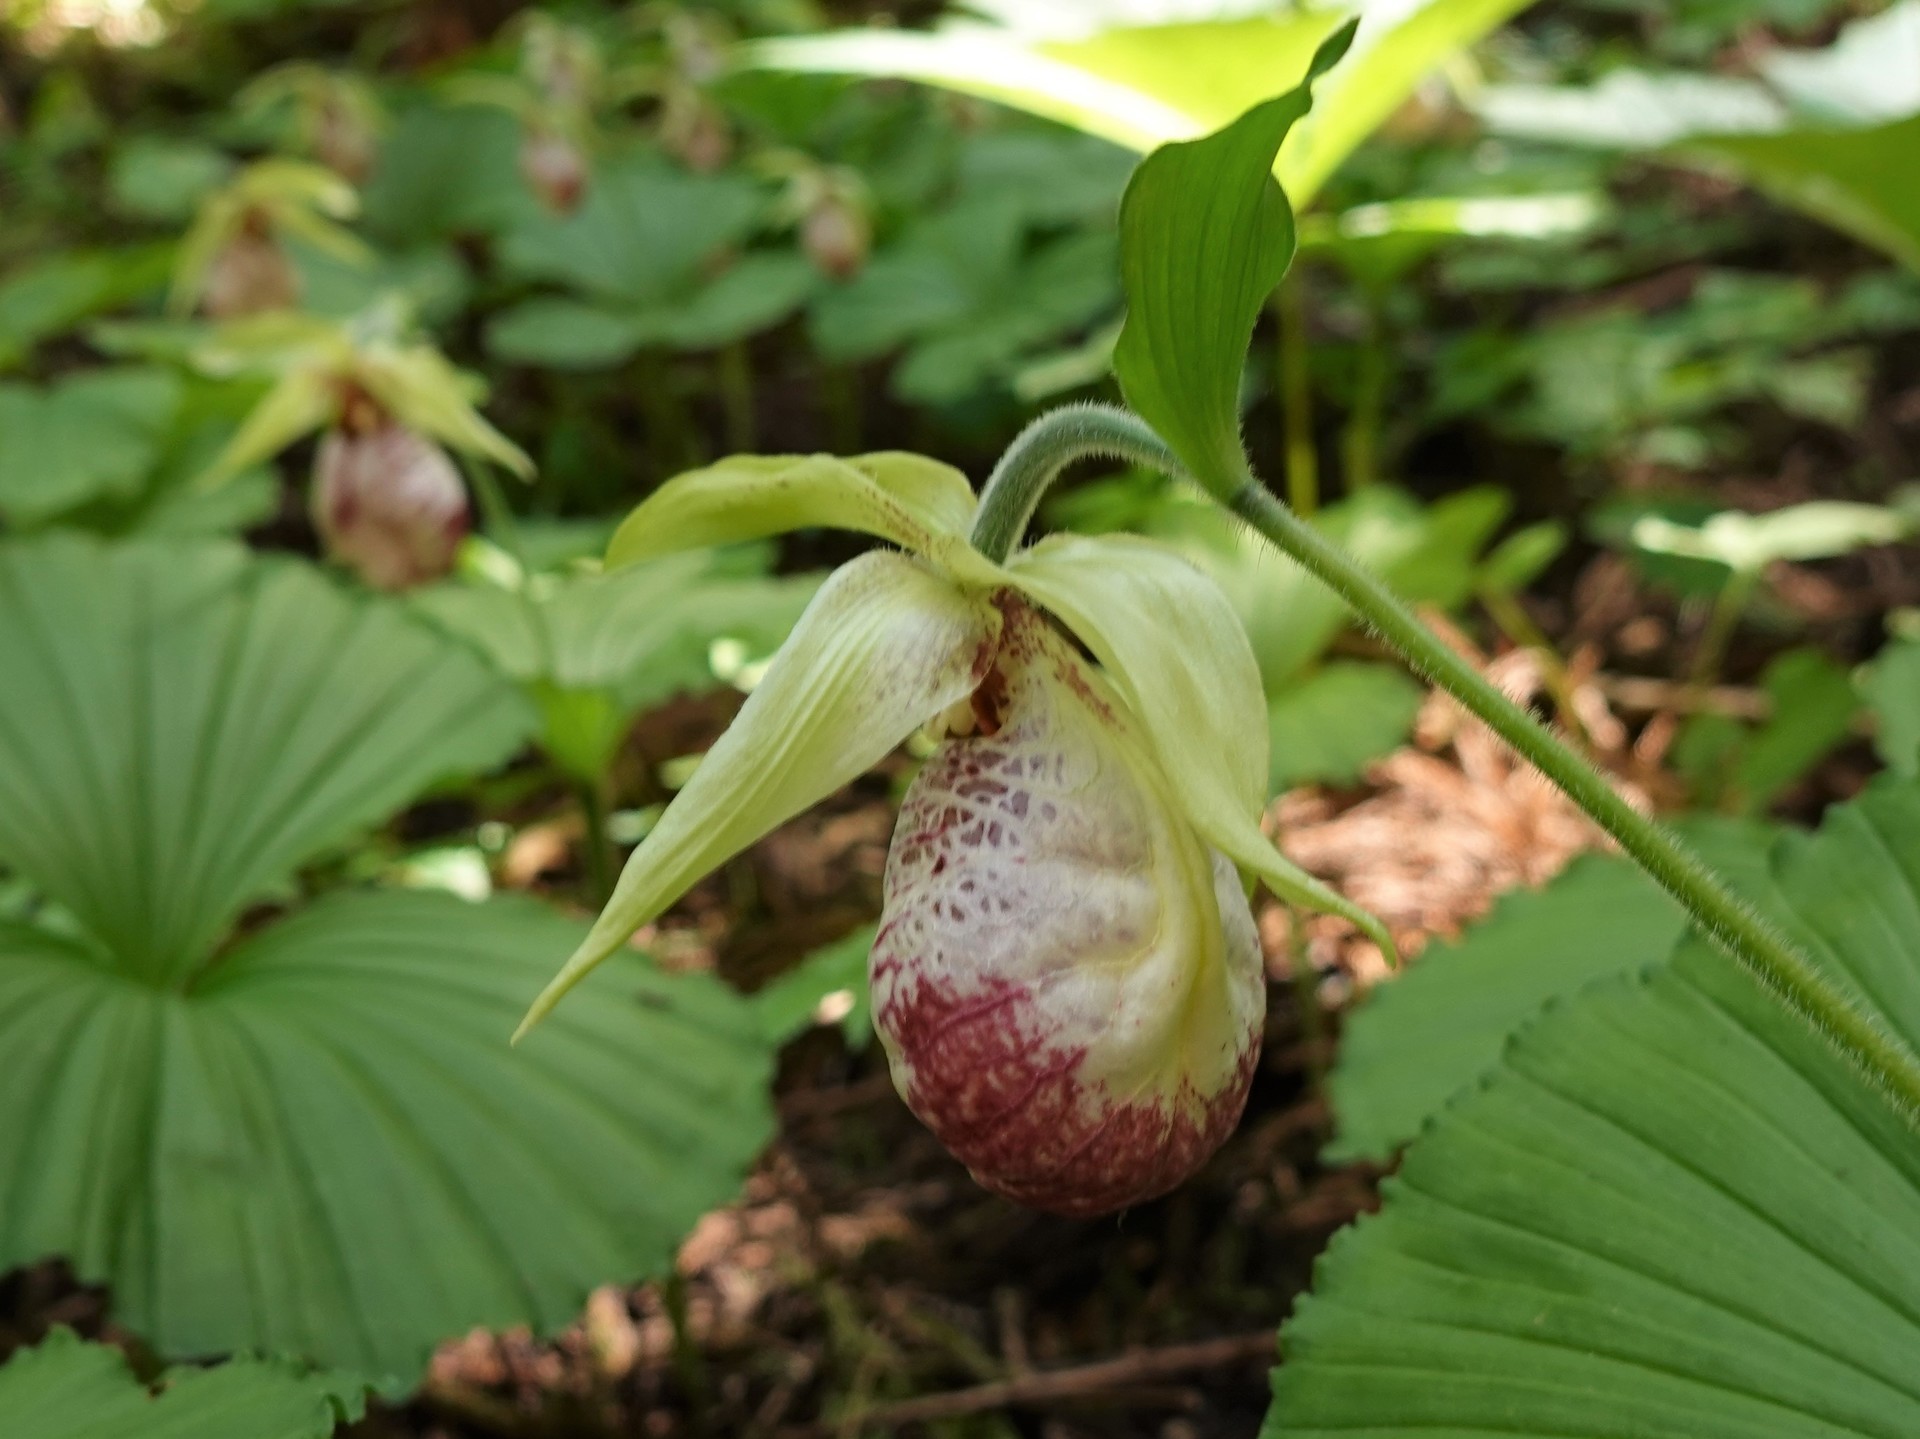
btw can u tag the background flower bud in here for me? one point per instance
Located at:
(344, 142)
(837, 235)
(554, 170)
(695, 131)
(250, 276)
(388, 503)
(1067, 980)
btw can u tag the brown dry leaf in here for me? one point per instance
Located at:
(540, 849)
(1453, 820)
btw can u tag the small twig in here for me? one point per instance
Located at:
(1010, 1310)
(1104, 1377)
(1645, 695)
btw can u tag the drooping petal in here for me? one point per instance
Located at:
(1066, 978)
(303, 401)
(885, 646)
(389, 504)
(1172, 644)
(919, 504)
(418, 387)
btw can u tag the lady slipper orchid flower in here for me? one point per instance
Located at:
(1066, 977)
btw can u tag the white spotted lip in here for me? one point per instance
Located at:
(1067, 979)
(388, 503)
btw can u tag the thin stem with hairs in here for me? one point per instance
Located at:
(1056, 440)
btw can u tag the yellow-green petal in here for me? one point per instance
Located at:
(885, 646)
(303, 401)
(919, 504)
(1173, 646)
(418, 387)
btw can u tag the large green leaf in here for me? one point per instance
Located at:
(643, 234)
(1891, 687)
(48, 296)
(447, 171)
(180, 727)
(1330, 724)
(593, 649)
(1426, 1034)
(1830, 132)
(92, 436)
(1672, 1210)
(1858, 181)
(313, 1139)
(327, 1149)
(1205, 235)
(64, 1388)
(1144, 84)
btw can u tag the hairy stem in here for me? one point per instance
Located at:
(1731, 923)
(1046, 447)
(1056, 440)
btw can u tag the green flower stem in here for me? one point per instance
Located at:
(1055, 440)
(1040, 452)
(1728, 606)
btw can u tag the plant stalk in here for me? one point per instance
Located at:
(1361, 442)
(1729, 921)
(1722, 620)
(1055, 440)
(1045, 448)
(593, 815)
(1296, 397)
(736, 396)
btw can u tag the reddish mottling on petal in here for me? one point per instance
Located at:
(1060, 1007)
(1013, 1108)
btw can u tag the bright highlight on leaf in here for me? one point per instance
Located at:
(1144, 75)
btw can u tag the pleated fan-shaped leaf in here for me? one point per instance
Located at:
(306, 1134)
(1672, 1210)
(1439, 1026)
(327, 1149)
(181, 726)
